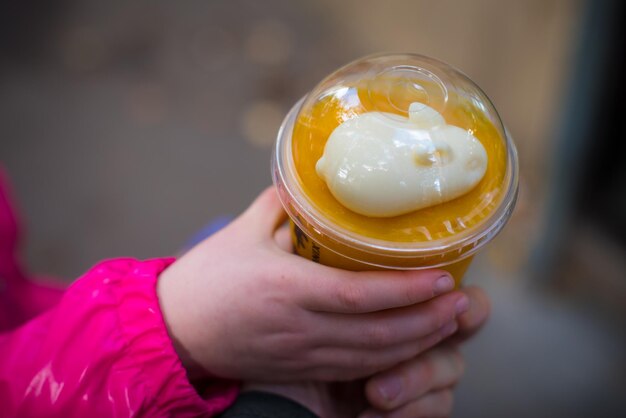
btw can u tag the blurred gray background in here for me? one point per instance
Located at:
(127, 126)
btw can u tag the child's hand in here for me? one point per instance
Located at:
(239, 306)
(419, 387)
(427, 392)
(423, 386)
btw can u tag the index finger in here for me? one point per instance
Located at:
(263, 216)
(326, 289)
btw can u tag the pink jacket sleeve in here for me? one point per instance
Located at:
(102, 351)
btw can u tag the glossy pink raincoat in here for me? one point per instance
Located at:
(98, 349)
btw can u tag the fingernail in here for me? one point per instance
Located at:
(390, 388)
(462, 305)
(443, 284)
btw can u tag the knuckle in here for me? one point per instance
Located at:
(351, 297)
(415, 292)
(290, 324)
(284, 321)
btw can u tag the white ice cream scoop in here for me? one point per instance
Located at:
(381, 164)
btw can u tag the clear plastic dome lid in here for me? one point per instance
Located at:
(401, 148)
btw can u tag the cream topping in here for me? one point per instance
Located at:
(382, 165)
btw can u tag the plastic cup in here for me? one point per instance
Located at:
(390, 83)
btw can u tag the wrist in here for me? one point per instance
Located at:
(171, 299)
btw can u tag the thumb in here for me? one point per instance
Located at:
(264, 215)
